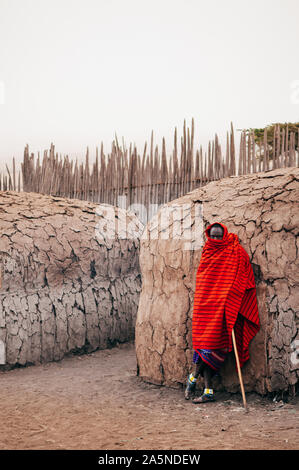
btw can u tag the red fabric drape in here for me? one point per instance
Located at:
(225, 297)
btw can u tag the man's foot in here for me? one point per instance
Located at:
(190, 389)
(205, 397)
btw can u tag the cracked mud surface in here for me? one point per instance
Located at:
(96, 401)
(262, 209)
(68, 280)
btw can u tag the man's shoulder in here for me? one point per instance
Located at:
(244, 252)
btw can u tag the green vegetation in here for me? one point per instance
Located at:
(259, 135)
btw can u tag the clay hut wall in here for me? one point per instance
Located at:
(70, 276)
(262, 209)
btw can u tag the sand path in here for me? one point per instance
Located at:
(95, 401)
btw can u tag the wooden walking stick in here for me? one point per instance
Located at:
(239, 370)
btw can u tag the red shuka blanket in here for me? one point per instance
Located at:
(225, 297)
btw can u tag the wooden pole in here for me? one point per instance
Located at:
(239, 369)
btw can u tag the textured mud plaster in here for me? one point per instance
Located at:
(262, 209)
(68, 281)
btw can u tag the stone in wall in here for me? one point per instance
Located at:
(70, 276)
(262, 209)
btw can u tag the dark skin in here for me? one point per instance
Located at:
(216, 232)
(201, 368)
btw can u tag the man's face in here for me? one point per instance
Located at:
(216, 233)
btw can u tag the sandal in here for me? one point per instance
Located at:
(205, 397)
(190, 390)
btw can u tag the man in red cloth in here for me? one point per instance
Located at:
(225, 298)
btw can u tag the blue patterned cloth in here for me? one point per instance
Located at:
(213, 357)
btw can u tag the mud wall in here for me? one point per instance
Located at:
(262, 209)
(70, 276)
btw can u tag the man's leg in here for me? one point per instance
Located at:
(199, 368)
(191, 381)
(207, 373)
(208, 394)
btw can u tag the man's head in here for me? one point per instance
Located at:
(216, 232)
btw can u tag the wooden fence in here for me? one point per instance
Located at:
(150, 179)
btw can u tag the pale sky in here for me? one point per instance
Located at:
(75, 72)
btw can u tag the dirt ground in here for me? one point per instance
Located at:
(95, 401)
